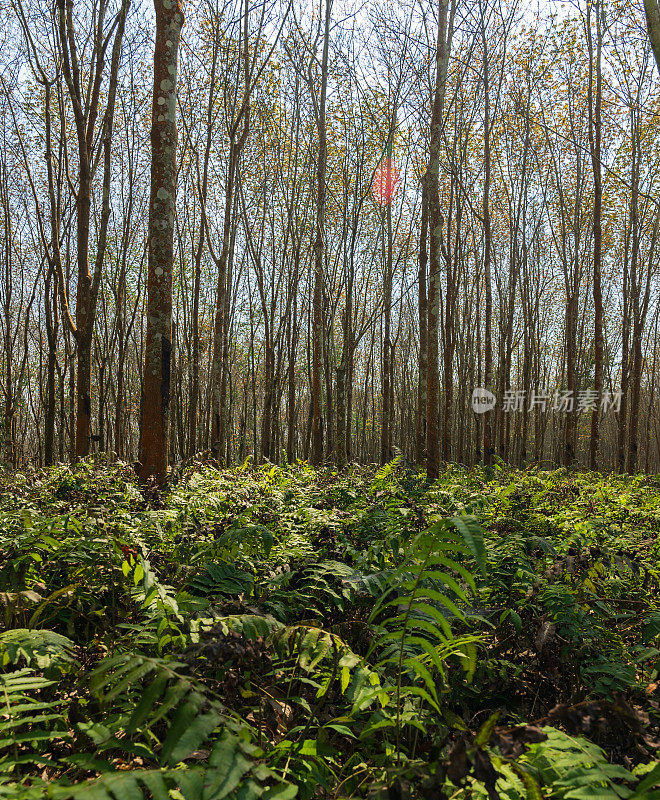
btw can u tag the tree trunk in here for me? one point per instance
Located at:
(319, 246)
(595, 120)
(436, 227)
(385, 432)
(422, 278)
(488, 311)
(158, 347)
(652, 9)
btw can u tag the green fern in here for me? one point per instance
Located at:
(46, 649)
(29, 723)
(168, 716)
(230, 772)
(312, 650)
(576, 768)
(415, 643)
(249, 625)
(382, 477)
(222, 579)
(162, 708)
(567, 767)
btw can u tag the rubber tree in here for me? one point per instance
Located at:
(595, 95)
(436, 225)
(422, 305)
(319, 247)
(238, 123)
(652, 10)
(158, 346)
(85, 96)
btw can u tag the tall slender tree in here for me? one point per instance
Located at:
(154, 446)
(595, 100)
(319, 244)
(85, 97)
(436, 226)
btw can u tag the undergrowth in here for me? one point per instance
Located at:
(279, 632)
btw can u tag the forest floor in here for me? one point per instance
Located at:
(282, 632)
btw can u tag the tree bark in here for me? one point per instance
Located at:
(158, 348)
(436, 224)
(319, 249)
(595, 126)
(652, 10)
(422, 304)
(488, 310)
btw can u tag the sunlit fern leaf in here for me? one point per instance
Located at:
(20, 791)
(382, 476)
(308, 644)
(323, 654)
(282, 792)
(152, 692)
(649, 780)
(470, 529)
(577, 766)
(27, 723)
(190, 729)
(251, 626)
(228, 766)
(532, 789)
(230, 772)
(44, 648)
(222, 579)
(486, 730)
(413, 644)
(374, 584)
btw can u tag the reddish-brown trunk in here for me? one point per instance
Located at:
(158, 347)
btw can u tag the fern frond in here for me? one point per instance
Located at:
(222, 579)
(231, 771)
(28, 722)
(170, 700)
(414, 643)
(251, 626)
(382, 475)
(42, 647)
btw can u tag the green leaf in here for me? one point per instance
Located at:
(650, 781)
(145, 707)
(91, 791)
(532, 789)
(282, 792)
(470, 530)
(155, 784)
(227, 765)
(124, 786)
(340, 729)
(185, 717)
(486, 731)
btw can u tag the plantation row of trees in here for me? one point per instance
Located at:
(249, 292)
